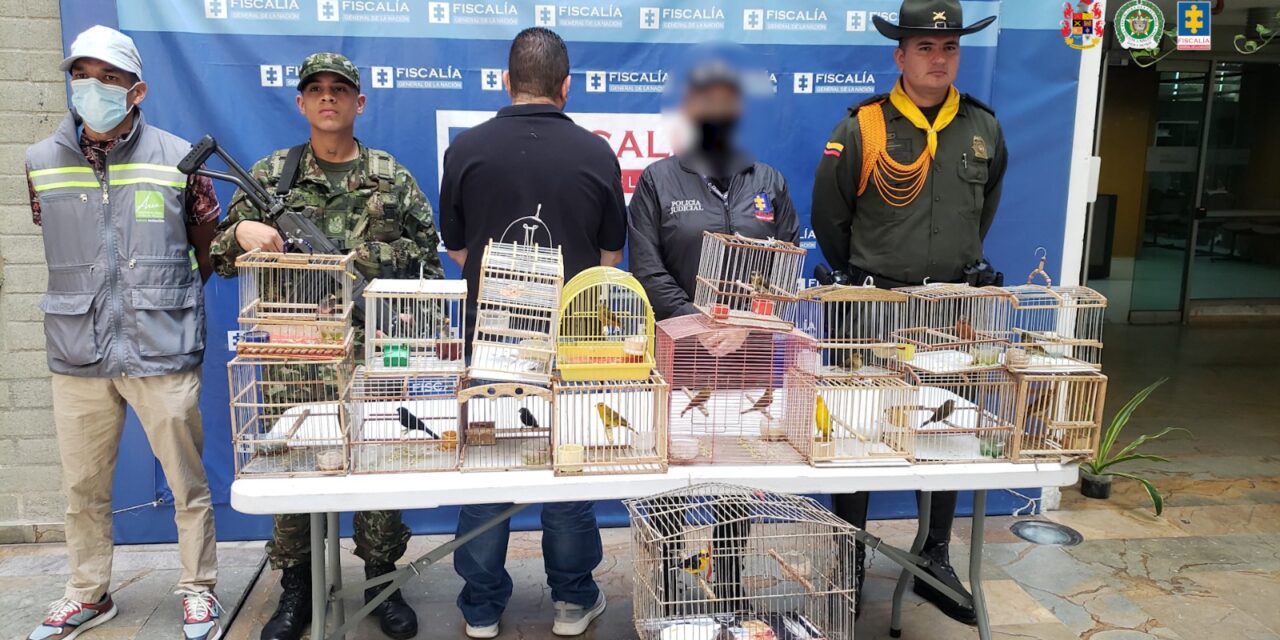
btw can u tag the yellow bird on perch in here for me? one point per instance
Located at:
(612, 420)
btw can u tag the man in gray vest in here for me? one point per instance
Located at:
(126, 236)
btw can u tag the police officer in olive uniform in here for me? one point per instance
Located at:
(905, 192)
(368, 203)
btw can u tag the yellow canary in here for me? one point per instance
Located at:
(762, 404)
(608, 320)
(698, 401)
(822, 419)
(697, 563)
(612, 420)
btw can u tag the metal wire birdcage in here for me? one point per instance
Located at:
(716, 561)
(407, 422)
(517, 313)
(505, 426)
(1059, 415)
(610, 427)
(859, 419)
(966, 416)
(743, 396)
(954, 327)
(290, 417)
(295, 304)
(415, 325)
(855, 328)
(1055, 328)
(747, 281)
(606, 327)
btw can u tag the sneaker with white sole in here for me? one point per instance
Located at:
(67, 618)
(487, 631)
(573, 619)
(202, 615)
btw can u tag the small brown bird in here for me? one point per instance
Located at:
(965, 331)
(762, 404)
(940, 414)
(328, 306)
(612, 420)
(608, 319)
(758, 285)
(699, 402)
(1040, 403)
(853, 361)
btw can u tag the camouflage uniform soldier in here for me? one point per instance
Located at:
(368, 203)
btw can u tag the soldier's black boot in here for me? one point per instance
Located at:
(395, 616)
(859, 576)
(939, 566)
(293, 614)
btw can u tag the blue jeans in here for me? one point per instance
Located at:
(571, 549)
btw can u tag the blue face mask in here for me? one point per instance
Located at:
(100, 106)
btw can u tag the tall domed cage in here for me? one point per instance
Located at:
(610, 427)
(415, 325)
(517, 313)
(295, 304)
(722, 561)
(855, 328)
(738, 395)
(747, 281)
(505, 426)
(291, 417)
(1055, 328)
(606, 327)
(1059, 415)
(967, 416)
(860, 419)
(954, 327)
(408, 423)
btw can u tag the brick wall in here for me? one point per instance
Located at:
(32, 101)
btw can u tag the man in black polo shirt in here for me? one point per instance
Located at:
(527, 156)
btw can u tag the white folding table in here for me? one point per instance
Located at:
(325, 497)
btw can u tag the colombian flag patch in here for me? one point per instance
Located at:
(833, 149)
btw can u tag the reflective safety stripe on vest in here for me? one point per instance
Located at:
(63, 178)
(143, 173)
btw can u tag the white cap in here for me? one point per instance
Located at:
(108, 45)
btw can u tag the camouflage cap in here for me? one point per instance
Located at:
(331, 62)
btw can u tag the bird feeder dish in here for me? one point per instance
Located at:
(404, 422)
(505, 426)
(414, 325)
(858, 419)
(962, 417)
(855, 328)
(606, 328)
(301, 302)
(517, 308)
(1059, 415)
(620, 426)
(748, 282)
(956, 327)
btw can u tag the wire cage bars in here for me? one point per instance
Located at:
(1059, 415)
(961, 417)
(290, 417)
(505, 426)
(295, 304)
(610, 427)
(720, 561)
(517, 305)
(854, 327)
(858, 419)
(748, 281)
(738, 396)
(415, 325)
(1056, 328)
(606, 327)
(407, 422)
(954, 327)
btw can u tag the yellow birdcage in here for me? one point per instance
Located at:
(295, 305)
(854, 327)
(606, 327)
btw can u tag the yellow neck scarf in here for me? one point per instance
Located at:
(950, 107)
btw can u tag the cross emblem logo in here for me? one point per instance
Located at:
(327, 11)
(803, 83)
(271, 75)
(753, 20)
(544, 15)
(596, 82)
(215, 9)
(855, 21)
(491, 80)
(1195, 19)
(649, 18)
(438, 12)
(383, 77)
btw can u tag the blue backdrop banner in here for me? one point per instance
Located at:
(432, 69)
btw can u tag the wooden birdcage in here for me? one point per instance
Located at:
(747, 281)
(1059, 415)
(610, 427)
(290, 417)
(856, 419)
(738, 395)
(295, 304)
(606, 327)
(1055, 328)
(407, 422)
(855, 328)
(954, 327)
(517, 313)
(966, 416)
(505, 426)
(415, 325)
(716, 561)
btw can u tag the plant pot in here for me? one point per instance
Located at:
(1092, 486)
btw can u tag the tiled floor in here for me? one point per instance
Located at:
(1208, 569)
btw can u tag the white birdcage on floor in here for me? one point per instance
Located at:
(716, 561)
(738, 395)
(505, 426)
(610, 427)
(1059, 415)
(415, 325)
(295, 304)
(858, 419)
(954, 327)
(748, 281)
(965, 416)
(290, 417)
(1055, 328)
(517, 313)
(606, 327)
(855, 328)
(407, 422)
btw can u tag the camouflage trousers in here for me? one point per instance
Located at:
(380, 537)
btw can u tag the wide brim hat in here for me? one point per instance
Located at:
(929, 17)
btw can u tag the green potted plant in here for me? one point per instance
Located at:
(1097, 473)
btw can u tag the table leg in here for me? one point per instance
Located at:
(924, 506)
(333, 551)
(319, 581)
(975, 563)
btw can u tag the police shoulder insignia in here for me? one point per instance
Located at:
(762, 206)
(979, 148)
(833, 149)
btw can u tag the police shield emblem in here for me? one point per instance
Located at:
(762, 206)
(979, 148)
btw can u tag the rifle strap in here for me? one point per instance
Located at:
(289, 175)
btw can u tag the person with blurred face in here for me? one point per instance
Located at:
(905, 192)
